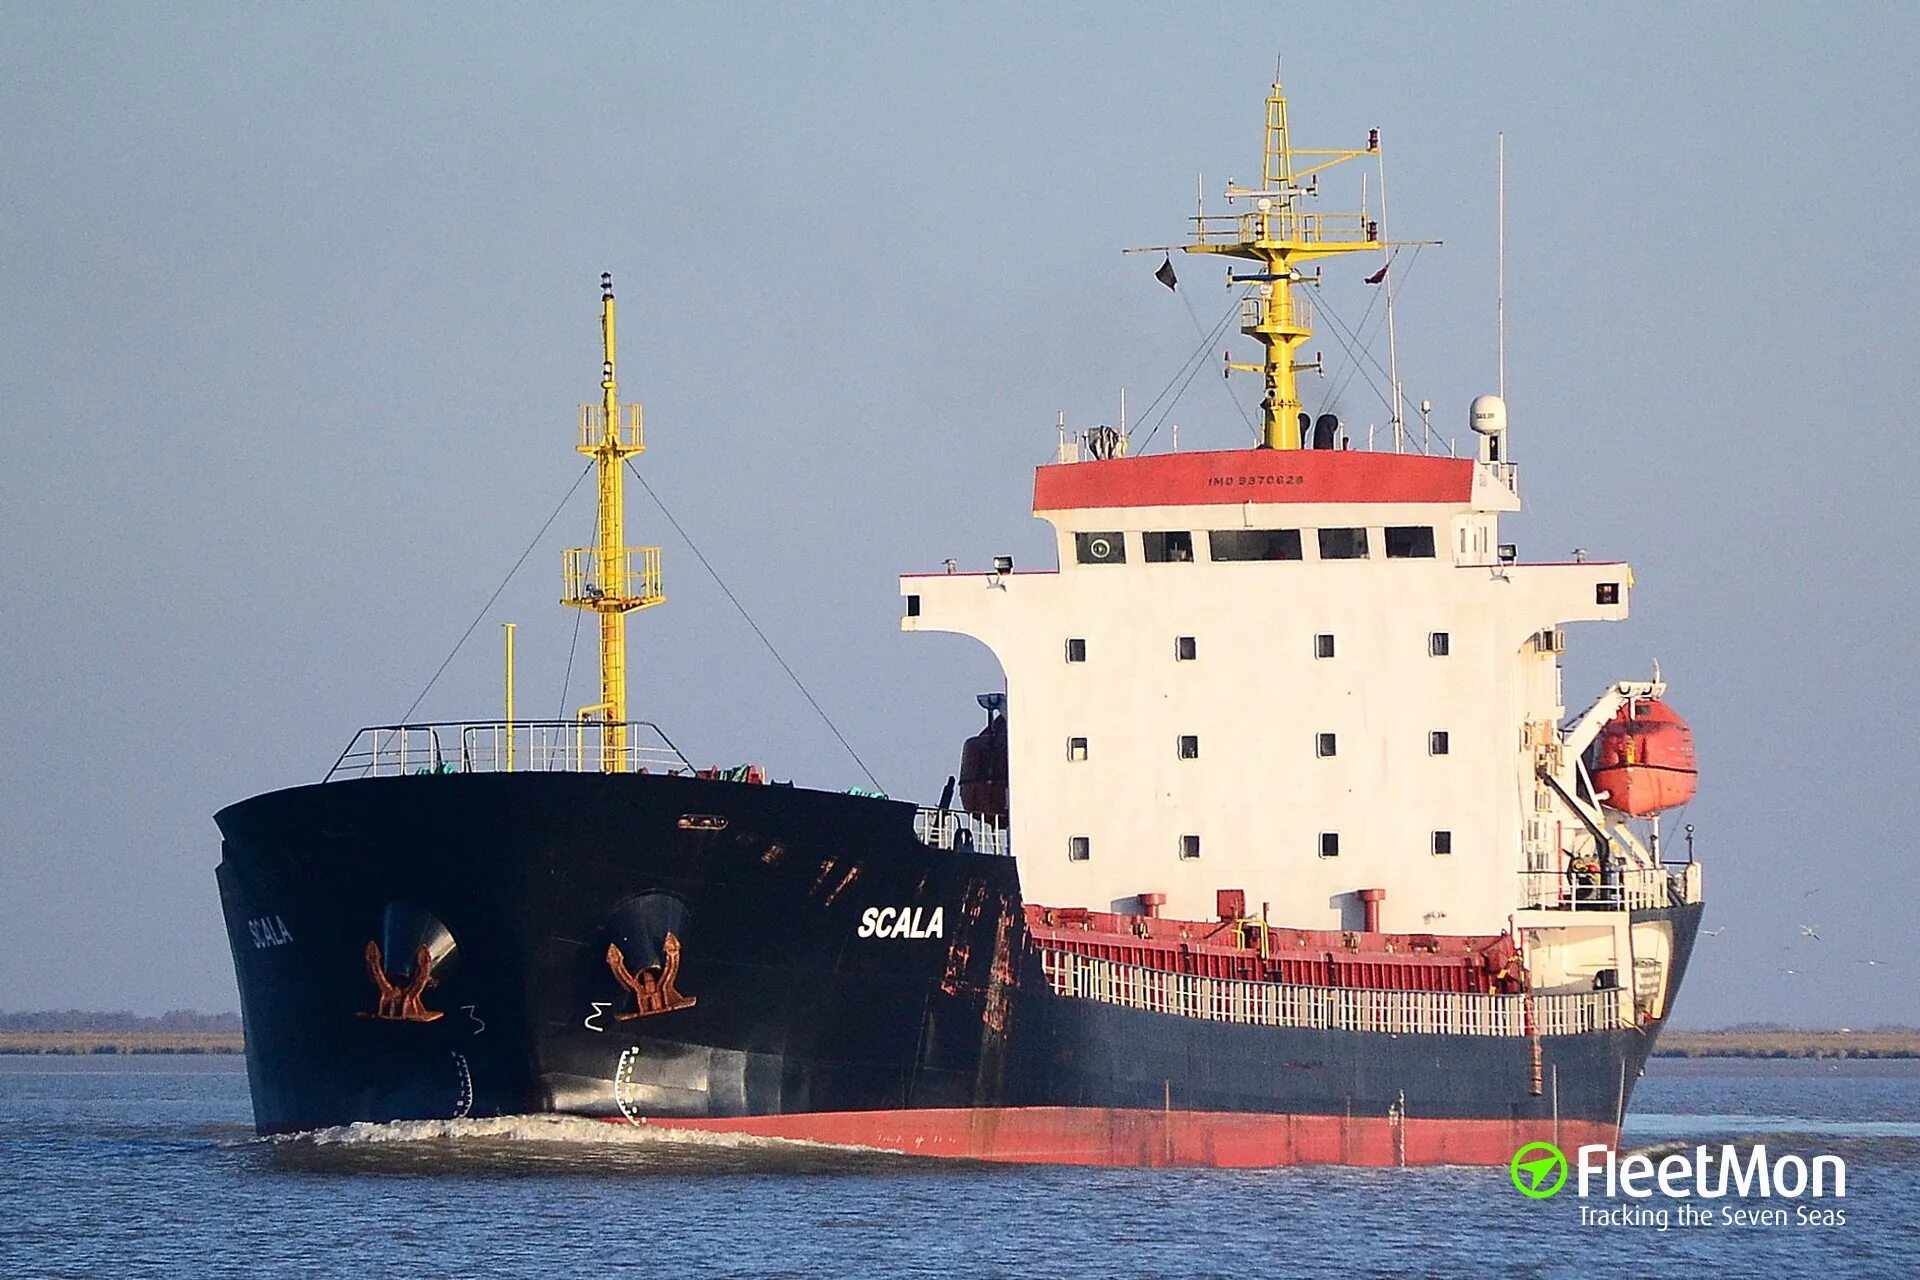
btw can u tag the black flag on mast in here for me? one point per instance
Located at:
(1379, 275)
(1164, 274)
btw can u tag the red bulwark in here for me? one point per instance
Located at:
(1252, 475)
(1304, 957)
(1203, 1139)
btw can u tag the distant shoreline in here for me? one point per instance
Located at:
(1904, 1043)
(1782, 1043)
(81, 1043)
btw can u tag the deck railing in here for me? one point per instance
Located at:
(636, 580)
(1505, 473)
(1256, 311)
(530, 746)
(1278, 1004)
(1281, 222)
(627, 426)
(950, 829)
(1619, 889)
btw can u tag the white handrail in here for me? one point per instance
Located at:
(951, 829)
(1620, 888)
(540, 746)
(1278, 1004)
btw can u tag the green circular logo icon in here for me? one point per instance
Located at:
(1538, 1170)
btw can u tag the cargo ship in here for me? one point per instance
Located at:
(1278, 845)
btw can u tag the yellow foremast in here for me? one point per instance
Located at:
(1281, 236)
(611, 578)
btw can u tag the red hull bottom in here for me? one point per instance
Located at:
(1203, 1139)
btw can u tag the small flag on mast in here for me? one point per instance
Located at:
(1379, 275)
(1165, 274)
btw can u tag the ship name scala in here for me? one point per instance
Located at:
(903, 922)
(269, 931)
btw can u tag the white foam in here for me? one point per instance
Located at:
(567, 1130)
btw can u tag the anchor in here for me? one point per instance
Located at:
(653, 989)
(402, 1003)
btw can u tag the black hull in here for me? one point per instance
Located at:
(793, 1011)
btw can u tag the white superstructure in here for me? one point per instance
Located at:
(1309, 685)
(1364, 711)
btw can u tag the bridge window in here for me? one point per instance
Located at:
(1323, 646)
(1079, 848)
(1168, 548)
(1343, 544)
(1185, 649)
(1329, 844)
(1326, 744)
(913, 606)
(1189, 746)
(1437, 742)
(1189, 848)
(1607, 593)
(1076, 651)
(1100, 548)
(1410, 542)
(1439, 643)
(1442, 843)
(1076, 749)
(1254, 544)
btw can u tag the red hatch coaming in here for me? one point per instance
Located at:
(1252, 475)
(1300, 957)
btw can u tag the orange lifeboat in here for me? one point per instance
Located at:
(983, 770)
(1643, 760)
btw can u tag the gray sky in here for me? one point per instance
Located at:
(297, 303)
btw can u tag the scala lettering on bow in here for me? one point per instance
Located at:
(402, 1001)
(653, 987)
(903, 922)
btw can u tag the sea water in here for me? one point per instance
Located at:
(148, 1166)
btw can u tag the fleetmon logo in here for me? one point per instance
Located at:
(1538, 1170)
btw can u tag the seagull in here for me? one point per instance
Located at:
(1808, 931)
(1713, 933)
(1809, 893)
(1874, 962)
(1791, 973)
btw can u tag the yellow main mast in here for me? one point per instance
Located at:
(1280, 235)
(611, 578)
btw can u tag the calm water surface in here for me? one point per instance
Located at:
(148, 1166)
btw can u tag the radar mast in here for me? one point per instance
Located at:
(1281, 235)
(611, 578)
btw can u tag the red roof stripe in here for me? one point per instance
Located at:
(1252, 475)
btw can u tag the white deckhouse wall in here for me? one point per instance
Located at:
(1256, 782)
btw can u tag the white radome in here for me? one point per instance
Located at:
(1488, 415)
